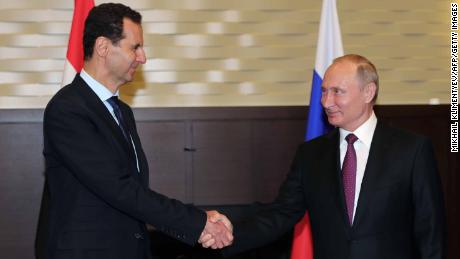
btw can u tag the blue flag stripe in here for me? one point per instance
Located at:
(317, 123)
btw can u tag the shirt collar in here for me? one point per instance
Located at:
(101, 91)
(365, 132)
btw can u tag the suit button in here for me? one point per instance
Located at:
(138, 236)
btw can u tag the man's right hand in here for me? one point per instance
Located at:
(218, 232)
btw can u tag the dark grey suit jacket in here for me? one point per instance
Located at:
(99, 202)
(400, 211)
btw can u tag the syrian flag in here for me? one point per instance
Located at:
(329, 47)
(74, 57)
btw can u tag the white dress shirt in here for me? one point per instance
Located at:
(104, 94)
(365, 132)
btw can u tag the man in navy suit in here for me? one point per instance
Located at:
(96, 169)
(372, 191)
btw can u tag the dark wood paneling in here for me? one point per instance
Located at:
(241, 155)
(274, 145)
(222, 163)
(21, 186)
(163, 144)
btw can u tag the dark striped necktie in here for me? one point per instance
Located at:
(114, 102)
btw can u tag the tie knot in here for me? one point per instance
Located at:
(113, 101)
(351, 138)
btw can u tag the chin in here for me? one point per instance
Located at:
(129, 79)
(333, 122)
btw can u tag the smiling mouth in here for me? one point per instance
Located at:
(331, 113)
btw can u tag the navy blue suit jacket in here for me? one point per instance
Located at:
(400, 211)
(99, 202)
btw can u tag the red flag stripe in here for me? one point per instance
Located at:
(75, 48)
(302, 244)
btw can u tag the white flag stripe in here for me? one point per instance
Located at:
(329, 37)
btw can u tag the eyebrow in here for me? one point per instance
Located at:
(332, 87)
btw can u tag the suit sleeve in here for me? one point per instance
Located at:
(277, 218)
(429, 217)
(87, 154)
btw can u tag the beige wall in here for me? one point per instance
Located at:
(235, 53)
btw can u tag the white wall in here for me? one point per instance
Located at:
(235, 53)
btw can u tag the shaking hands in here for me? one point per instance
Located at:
(218, 232)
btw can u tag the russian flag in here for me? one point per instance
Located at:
(74, 57)
(329, 47)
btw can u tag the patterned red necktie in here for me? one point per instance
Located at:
(349, 175)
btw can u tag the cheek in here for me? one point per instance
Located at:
(118, 59)
(125, 57)
(132, 56)
(342, 102)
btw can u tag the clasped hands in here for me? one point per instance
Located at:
(218, 232)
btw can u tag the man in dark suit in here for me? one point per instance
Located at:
(372, 191)
(97, 172)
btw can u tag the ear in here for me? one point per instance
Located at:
(369, 92)
(101, 46)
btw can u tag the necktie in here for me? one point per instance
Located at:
(114, 102)
(349, 175)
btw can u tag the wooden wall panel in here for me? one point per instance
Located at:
(21, 186)
(274, 145)
(222, 163)
(234, 149)
(163, 144)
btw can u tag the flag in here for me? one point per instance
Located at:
(74, 57)
(329, 47)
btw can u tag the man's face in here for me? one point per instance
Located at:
(126, 55)
(346, 101)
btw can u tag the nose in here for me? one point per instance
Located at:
(325, 99)
(141, 56)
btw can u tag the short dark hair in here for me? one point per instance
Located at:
(106, 20)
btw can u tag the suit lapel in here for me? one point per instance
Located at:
(131, 130)
(130, 123)
(334, 170)
(375, 168)
(102, 114)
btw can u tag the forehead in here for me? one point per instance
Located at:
(340, 74)
(132, 30)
